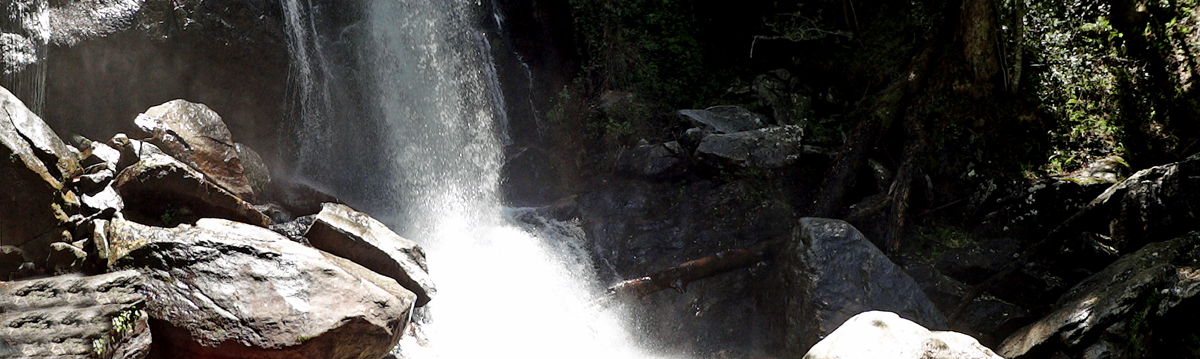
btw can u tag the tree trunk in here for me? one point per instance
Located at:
(977, 29)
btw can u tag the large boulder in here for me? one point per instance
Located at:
(1117, 312)
(878, 334)
(35, 166)
(1154, 203)
(771, 147)
(345, 232)
(723, 119)
(830, 272)
(74, 317)
(195, 135)
(653, 161)
(231, 290)
(166, 191)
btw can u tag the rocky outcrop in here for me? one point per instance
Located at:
(35, 166)
(723, 119)
(1154, 203)
(877, 334)
(830, 272)
(1108, 315)
(232, 290)
(195, 135)
(75, 317)
(345, 232)
(653, 161)
(165, 191)
(771, 147)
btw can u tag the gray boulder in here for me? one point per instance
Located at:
(345, 232)
(878, 334)
(195, 135)
(34, 168)
(652, 161)
(75, 317)
(830, 272)
(164, 190)
(1114, 313)
(232, 290)
(772, 147)
(723, 119)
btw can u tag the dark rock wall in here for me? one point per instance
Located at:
(229, 55)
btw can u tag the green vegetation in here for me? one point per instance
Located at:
(647, 46)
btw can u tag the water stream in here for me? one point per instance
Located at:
(430, 90)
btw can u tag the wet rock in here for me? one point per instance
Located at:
(164, 190)
(342, 231)
(256, 170)
(652, 161)
(227, 289)
(75, 317)
(34, 167)
(1114, 310)
(298, 199)
(295, 229)
(195, 135)
(878, 334)
(723, 119)
(831, 272)
(534, 177)
(772, 147)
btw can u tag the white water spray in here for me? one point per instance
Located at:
(503, 291)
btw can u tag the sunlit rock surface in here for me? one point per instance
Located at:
(877, 334)
(166, 191)
(1105, 315)
(345, 232)
(830, 272)
(74, 317)
(232, 290)
(34, 168)
(195, 134)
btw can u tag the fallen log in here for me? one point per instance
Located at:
(678, 277)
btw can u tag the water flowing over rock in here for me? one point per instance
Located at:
(195, 135)
(342, 231)
(878, 334)
(75, 317)
(831, 272)
(723, 119)
(771, 147)
(34, 168)
(1108, 314)
(232, 290)
(165, 190)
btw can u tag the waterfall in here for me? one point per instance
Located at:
(510, 283)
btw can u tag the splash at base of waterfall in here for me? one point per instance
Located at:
(529, 292)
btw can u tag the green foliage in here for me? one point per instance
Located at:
(647, 46)
(1077, 67)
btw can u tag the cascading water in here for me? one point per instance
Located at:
(502, 290)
